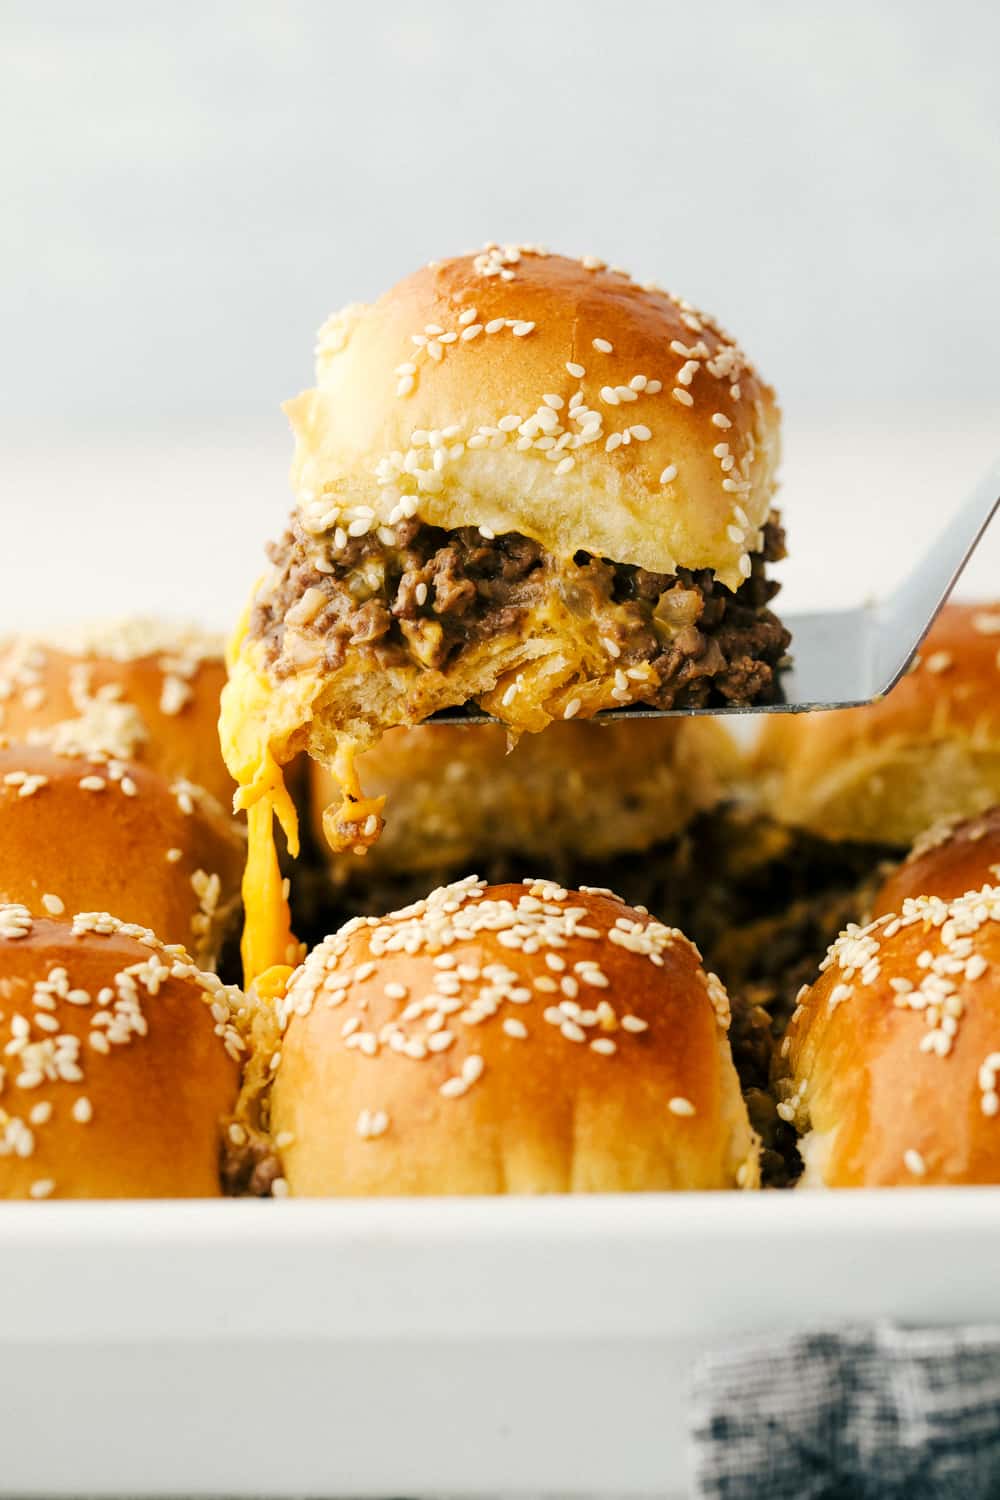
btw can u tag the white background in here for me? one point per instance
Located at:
(189, 190)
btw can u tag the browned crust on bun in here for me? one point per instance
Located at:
(929, 750)
(81, 835)
(518, 1038)
(135, 689)
(891, 1057)
(119, 1060)
(948, 860)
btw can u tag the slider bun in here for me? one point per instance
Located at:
(900, 1089)
(354, 1115)
(152, 1100)
(948, 860)
(929, 750)
(611, 504)
(457, 797)
(108, 848)
(136, 689)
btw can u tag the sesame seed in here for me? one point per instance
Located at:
(495, 325)
(634, 1024)
(719, 419)
(82, 1111)
(565, 465)
(43, 1188)
(577, 371)
(603, 346)
(92, 783)
(680, 1106)
(572, 708)
(515, 1028)
(472, 1068)
(914, 1162)
(520, 330)
(641, 433)
(684, 397)
(939, 661)
(669, 474)
(603, 1045)
(53, 905)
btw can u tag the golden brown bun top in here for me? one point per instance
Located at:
(929, 750)
(119, 1058)
(133, 689)
(458, 397)
(947, 861)
(516, 1038)
(458, 796)
(893, 1054)
(82, 835)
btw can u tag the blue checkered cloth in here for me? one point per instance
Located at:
(880, 1413)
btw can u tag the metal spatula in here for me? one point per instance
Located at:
(844, 657)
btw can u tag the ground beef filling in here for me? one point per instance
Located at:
(422, 598)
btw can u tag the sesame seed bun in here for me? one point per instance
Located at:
(459, 797)
(891, 1057)
(80, 835)
(119, 1060)
(508, 1039)
(929, 750)
(137, 689)
(553, 312)
(948, 860)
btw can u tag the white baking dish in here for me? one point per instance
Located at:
(406, 1347)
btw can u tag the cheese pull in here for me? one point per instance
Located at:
(356, 822)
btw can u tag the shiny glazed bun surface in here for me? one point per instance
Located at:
(119, 1059)
(520, 1039)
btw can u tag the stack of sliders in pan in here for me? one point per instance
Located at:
(120, 860)
(531, 484)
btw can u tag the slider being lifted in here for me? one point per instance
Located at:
(523, 482)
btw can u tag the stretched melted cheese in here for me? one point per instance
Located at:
(261, 726)
(247, 733)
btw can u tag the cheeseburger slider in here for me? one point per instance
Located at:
(134, 689)
(82, 835)
(119, 1059)
(836, 798)
(522, 481)
(949, 859)
(890, 1066)
(563, 802)
(507, 1039)
(886, 772)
